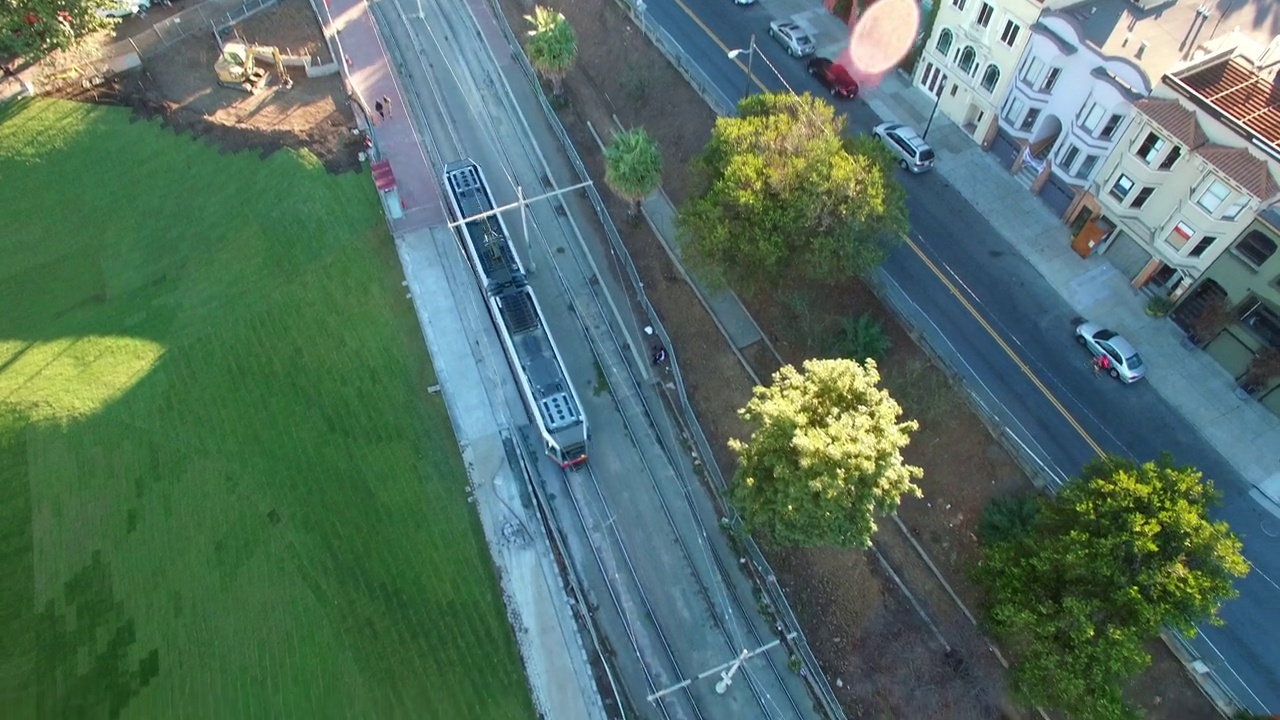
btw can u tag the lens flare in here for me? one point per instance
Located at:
(879, 39)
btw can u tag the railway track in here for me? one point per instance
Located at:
(445, 143)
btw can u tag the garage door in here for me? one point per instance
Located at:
(1231, 352)
(1127, 255)
(1058, 194)
(1004, 147)
(1271, 400)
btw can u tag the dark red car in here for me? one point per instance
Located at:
(833, 77)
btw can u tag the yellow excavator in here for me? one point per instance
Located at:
(237, 67)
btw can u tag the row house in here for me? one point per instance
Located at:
(1194, 166)
(1053, 103)
(1087, 64)
(967, 63)
(1233, 310)
(1069, 103)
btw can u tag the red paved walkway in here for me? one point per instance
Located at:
(369, 71)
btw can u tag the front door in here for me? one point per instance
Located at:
(1088, 238)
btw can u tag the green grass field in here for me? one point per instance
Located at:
(224, 489)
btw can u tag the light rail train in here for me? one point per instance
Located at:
(535, 359)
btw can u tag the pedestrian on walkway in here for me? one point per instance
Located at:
(377, 107)
(1101, 364)
(386, 104)
(659, 355)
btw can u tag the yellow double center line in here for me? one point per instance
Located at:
(964, 301)
(716, 39)
(1003, 345)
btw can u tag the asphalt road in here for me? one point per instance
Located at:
(1010, 333)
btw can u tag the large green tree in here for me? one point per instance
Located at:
(825, 457)
(783, 190)
(633, 166)
(1078, 589)
(552, 45)
(31, 29)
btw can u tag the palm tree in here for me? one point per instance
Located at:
(633, 166)
(552, 46)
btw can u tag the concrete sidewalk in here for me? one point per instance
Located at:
(723, 304)
(467, 359)
(416, 203)
(1246, 434)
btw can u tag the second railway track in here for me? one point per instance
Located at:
(458, 78)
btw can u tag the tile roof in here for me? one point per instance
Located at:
(1235, 89)
(1243, 167)
(1156, 35)
(1175, 117)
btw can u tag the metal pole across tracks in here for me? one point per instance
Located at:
(813, 675)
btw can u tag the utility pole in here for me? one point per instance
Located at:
(521, 202)
(524, 229)
(937, 101)
(751, 56)
(726, 676)
(727, 671)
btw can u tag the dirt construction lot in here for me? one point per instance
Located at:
(178, 85)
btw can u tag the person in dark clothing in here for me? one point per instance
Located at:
(659, 355)
(377, 107)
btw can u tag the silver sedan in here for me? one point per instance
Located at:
(1126, 364)
(792, 37)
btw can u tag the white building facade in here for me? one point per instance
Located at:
(1067, 106)
(968, 62)
(1191, 172)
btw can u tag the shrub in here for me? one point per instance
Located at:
(860, 338)
(1159, 306)
(1008, 518)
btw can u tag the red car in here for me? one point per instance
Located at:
(833, 77)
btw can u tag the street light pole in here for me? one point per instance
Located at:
(937, 101)
(726, 676)
(726, 671)
(524, 229)
(751, 56)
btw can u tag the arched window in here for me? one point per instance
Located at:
(944, 42)
(990, 78)
(967, 60)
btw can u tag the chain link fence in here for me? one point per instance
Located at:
(91, 61)
(671, 50)
(209, 16)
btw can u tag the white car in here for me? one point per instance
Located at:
(792, 37)
(124, 8)
(744, 2)
(1126, 364)
(913, 153)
